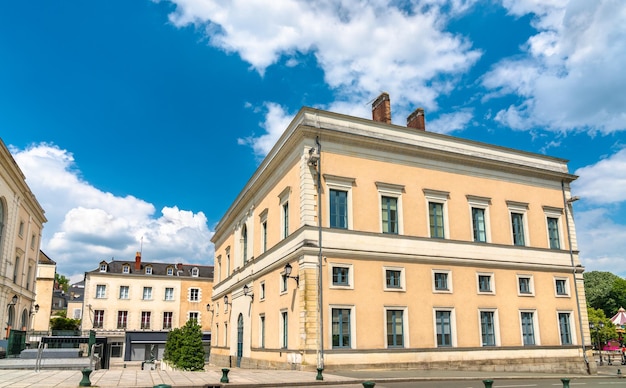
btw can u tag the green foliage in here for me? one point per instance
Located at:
(62, 281)
(62, 323)
(184, 349)
(600, 327)
(605, 291)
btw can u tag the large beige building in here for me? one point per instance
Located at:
(21, 225)
(134, 304)
(402, 248)
(44, 286)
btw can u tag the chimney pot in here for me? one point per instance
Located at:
(138, 261)
(381, 109)
(416, 120)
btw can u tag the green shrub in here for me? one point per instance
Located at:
(184, 349)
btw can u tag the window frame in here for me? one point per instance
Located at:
(262, 290)
(448, 274)
(531, 285)
(166, 294)
(262, 329)
(519, 208)
(263, 223)
(344, 184)
(146, 294)
(405, 327)
(190, 295)
(441, 198)
(126, 269)
(566, 287)
(495, 323)
(492, 283)
(126, 295)
(283, 201)
(146, 317)
(98, 319)
(101, 291)
(483, 203)
(535, 326)
(571, 333)
(350, 277)
(556, 214)
(452, 326)
(392, 191)
(122, 319)
(401, 278)
(352, 325)
(165, 320)
(284, 329)
(148, 270)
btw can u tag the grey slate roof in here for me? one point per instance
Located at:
(158, 269)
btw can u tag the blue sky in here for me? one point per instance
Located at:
(136, 123)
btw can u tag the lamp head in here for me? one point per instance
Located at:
(14, 299)
(288, 269)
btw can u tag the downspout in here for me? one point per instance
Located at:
(320, 356)
(566, 205)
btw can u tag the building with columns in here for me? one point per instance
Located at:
(360, 243)
(21, 225)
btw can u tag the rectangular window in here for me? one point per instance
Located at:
(145, 319)
(167, 320)
(561, 287)
(341, 276)
(21, 229)
(392, 278)
(553, 233)
(77, 314)
(169, 293)
(194, 295)
(147, 293)
(395, 328)
(487, 328)
(126, 269)
(528, 330)
(123, 292)
(98, 319)
(565, 329)
(116, 349)
(283, 283)
(441, 281)
(285, 219)
(262, 331)
(389, 214)
(285, 325)
(338, 209)
(341, 328)
(264, 232)
(122, 319)
(444, 328)
(262, 291)
(524, 285)
(435, 216)
(101, 291)
(517, 223)
(484, 283)
(194, 316)
(479, 224)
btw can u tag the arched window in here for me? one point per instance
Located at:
(24, 320)
(244, 243)
(11, 318)
(1, 221)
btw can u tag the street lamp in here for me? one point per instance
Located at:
(247, 292)
(597, 329)
(13, 301)
(288, 272)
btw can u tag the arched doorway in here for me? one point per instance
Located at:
(239, 340)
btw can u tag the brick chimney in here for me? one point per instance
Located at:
(416, 120)
(138, 261)
(381, 109)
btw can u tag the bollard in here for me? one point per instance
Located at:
(565, 383)
(85, 382)
(369, 384)
(488, 383)
(619, 373)
(319, 374)
(224, 378)
(162, 386)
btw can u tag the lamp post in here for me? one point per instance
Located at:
(597, 329)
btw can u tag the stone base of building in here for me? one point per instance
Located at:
(565, 365)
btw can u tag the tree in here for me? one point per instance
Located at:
(184, 349)
(605, 291)
(603, 329)
(62, 281)
(62, 323)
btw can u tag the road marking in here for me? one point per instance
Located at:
(510, 386)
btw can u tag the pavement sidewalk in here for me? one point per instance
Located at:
(137, 378)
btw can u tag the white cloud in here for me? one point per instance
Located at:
(601, 241)
(86, 225)
(450, 122)
(603, 182)
(276, 120)
(571, 77)
(363, 47)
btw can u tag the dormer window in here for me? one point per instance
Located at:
(126, 269)
(148, 270)
(170, 271)
(103, 267)
(194, 272)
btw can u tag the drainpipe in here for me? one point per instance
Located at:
(320, 355)
(566, 204)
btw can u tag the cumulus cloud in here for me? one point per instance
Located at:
(276, 120)
(601, 241)
(604, 181)
(450, 122)
(86, 225)
(363, 47)
(570, 77)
